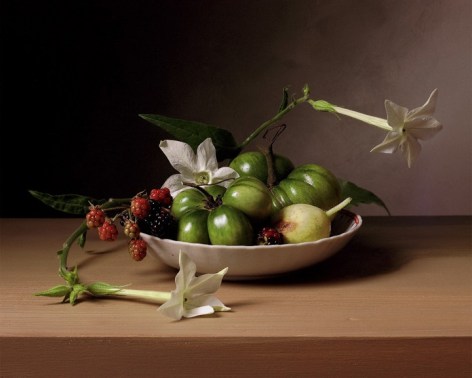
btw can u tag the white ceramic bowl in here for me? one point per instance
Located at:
(258, 261)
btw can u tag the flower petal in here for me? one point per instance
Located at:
(410, 148)
(390, 143)
(206, 156)
(187, 271)
(180, 156)
(174, 184)
(224, 176)
(427, 109)
(205, 284)
(198, 311)
(174, 307)
(395, 114)
(211, 300)
(423, 127)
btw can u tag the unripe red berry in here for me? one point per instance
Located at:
(95, 217)
(137, 249)
(140, 207)
(131, 229)
(162, 196)
(108, 231)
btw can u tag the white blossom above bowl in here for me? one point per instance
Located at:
(258, 261)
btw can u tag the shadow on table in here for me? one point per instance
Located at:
(358, 260)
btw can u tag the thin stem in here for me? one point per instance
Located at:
(112, 203)
(155, 296)
(274, 119)
(338, 207)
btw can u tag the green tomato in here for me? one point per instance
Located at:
(193, 228)
(208, 221)
(251, 196)
(192, 198)
(254, 163)
(229, 226)
(309, 184)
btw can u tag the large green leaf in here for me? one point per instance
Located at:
(360, 195)
(194, 133)
(68, 203)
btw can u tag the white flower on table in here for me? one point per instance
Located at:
(199, 169)
(193, 296)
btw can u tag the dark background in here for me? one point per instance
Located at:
(76, 74)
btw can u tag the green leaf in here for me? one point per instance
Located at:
(194, 133)
(284, 102)
(360, 195)
(68, 203)
(56, 291)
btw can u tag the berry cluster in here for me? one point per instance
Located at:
(149, 214)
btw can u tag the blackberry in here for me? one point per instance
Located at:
(159, 222)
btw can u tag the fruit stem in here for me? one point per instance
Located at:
(338, 207)
(211, 202)
(274, 119)
(82, 229)
(269, 155)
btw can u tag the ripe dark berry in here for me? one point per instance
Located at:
(269, 236)
(140, 207)
(108, 231)
(137, 249)
(162, 196)
(159, 222)
(131, 229)
(95, 217)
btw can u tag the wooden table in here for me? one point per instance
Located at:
(396, 302)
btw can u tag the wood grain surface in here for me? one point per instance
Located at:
(396, 302)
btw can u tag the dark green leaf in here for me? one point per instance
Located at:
(67, 203)
(284, 102)
(360, 195)
(194, 133)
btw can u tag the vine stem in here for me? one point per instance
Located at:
(274, 119)
(111, 204)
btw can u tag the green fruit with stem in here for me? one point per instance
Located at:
(251, 196)
(299, 223)
(204, 218)
(309, 184)
(254, 163)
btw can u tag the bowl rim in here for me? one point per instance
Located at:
(356, 223)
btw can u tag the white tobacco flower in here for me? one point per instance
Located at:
(198, 169)
(193, 296)
(405, 127)
(409, 126)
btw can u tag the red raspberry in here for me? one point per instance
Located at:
(162, 196)
(95, 217)
(137, 249)
(108, 231)
(140, 207)
(269, 236)
(131, 229)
